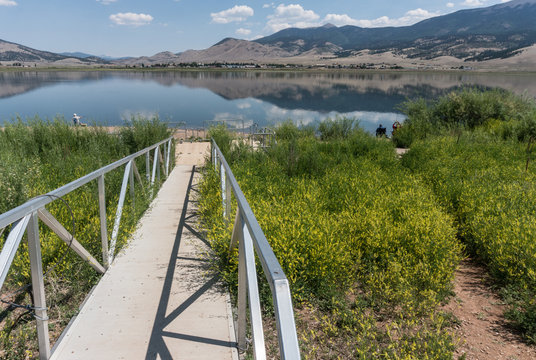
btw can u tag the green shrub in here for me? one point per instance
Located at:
(140, 133)
(223, 138)
(339, 128)
(468, 108)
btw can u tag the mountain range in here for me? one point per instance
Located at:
(499, 35)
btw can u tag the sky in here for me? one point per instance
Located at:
(146, 27)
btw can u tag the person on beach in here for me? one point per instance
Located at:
(76, 120)
(381, 131)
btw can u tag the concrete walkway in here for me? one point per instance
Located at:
(158, 300)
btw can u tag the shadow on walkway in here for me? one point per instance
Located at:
(157, 344)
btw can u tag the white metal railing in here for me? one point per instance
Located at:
(26, 216)
(250, 238)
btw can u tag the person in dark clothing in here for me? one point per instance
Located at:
(381, 131)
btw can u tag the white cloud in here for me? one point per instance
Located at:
(131, 19)
(411, 17)
(106, 2)
(235, 14)
(414, 16)
(243, 106)
(451, 5)
(8, 3)
(270, 5)
(293, 15)
(472, 3)
(341, 19)
(243, 31)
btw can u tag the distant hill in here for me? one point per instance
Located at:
(15, 53)
(82, 55)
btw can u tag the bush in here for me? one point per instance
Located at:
(340, 128)
(223, 138)
(468, 109)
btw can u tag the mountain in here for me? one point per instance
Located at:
(501, 37)
(475, 34)
(80, 55)
(15, 53)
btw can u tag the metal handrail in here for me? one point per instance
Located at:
(27, 208)
(26, 217)
(249, 236)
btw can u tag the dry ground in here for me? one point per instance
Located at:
(482, 328)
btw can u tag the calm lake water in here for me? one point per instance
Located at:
(240, 98)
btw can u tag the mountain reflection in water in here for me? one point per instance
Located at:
(241, 98)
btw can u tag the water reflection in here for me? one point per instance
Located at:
(241, 98)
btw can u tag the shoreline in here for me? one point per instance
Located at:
(267, 70)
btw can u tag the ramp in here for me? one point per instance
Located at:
(158, 300)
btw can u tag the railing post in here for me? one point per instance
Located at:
(227, 198)
(165, 159)
(131, 185)
(159, 162)
(119, 212)
(168, 157)
(223, 190)
(103, 221)
(242, 289)
(246, 246)
(38, 287)
(148, 165)
(155, 165)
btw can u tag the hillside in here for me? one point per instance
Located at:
(475, 34)
(15, 53)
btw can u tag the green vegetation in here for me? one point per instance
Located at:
(369, 242)
(502, 113)
(482, 181)
(474, 150)
(39, 156)
(367, 250)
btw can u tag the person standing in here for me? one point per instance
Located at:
(76, 119)
(396, 125)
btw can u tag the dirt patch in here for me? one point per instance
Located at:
(482, 329)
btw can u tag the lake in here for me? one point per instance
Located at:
(242, 99)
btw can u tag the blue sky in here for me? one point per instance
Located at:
(145, 27)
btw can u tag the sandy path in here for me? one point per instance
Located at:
(483, 331)
(191, 153)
